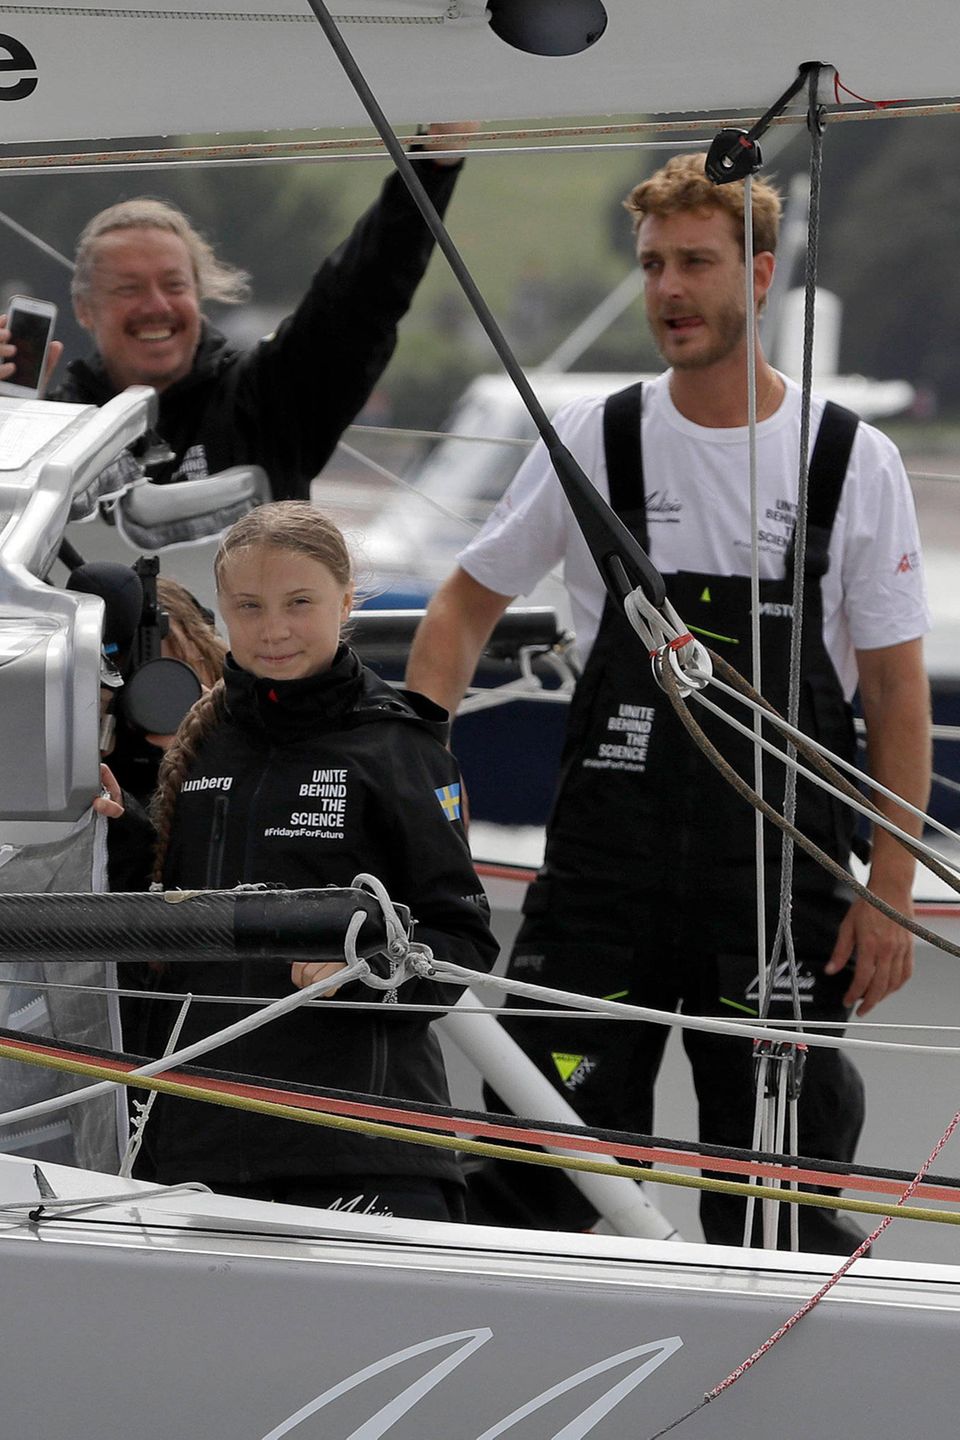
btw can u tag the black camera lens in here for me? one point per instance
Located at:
(157, 696)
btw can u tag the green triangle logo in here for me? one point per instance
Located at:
(706, 594)
(566, 1064)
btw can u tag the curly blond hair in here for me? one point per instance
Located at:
(682, 184)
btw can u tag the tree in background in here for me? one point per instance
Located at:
(889, 249)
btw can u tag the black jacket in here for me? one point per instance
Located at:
(285, 403)
(374, 759)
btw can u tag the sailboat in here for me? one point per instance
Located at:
(131, 1307)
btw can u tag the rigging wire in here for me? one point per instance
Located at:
(723, 1158)
(845, 878)
(943, 866)
(445, 971)
(396, 432)
(822, 759)
(855, 800)
(232, 1099)
(760, 878)
(422, 1008)
(200, 1047)
(41, 165)
(144, 1110)
(473, 143)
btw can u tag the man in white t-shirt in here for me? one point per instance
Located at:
(648, 889)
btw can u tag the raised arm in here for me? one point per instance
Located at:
(895, 695)
(451, 637)
(300, 388)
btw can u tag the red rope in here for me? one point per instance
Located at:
(877, 104)
(814, 1300)
(517, 1134)
(864, 1245)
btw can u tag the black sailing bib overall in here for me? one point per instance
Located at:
(648, 888)
(638, 802)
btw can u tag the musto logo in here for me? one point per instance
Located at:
(14, 59)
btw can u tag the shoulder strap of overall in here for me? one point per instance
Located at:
(828, 464)
(622, 444)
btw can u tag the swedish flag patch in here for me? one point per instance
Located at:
(449, 797)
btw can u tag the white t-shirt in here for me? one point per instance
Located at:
(698, 516)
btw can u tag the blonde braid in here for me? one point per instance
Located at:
(196, 725)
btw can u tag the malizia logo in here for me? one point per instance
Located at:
(663, 507)
(908, 561)
(15, 58)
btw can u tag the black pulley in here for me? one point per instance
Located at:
(548, 27)
(733, 155)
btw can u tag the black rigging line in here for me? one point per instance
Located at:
(622, 563)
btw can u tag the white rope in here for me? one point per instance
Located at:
(423, 962)
(62, 1204)
(937, 732)
(395, 432)
(191, 1052)
(792, 732)
(144, 1108)
(443, 970)
(760, 876)
(422, 1008)
(932, 475)
(478, 698)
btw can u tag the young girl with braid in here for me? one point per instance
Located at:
(300, 767)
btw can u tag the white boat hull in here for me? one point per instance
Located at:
(197, 1315)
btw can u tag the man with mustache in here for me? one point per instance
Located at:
(142, 276)
(648, 889)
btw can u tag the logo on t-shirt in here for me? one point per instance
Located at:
(775, 531)
(908, 561)
(663, 508)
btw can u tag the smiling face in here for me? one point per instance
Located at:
(693, 270)
(283, 611)
(142, 307)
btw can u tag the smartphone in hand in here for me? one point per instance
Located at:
(30, 323)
